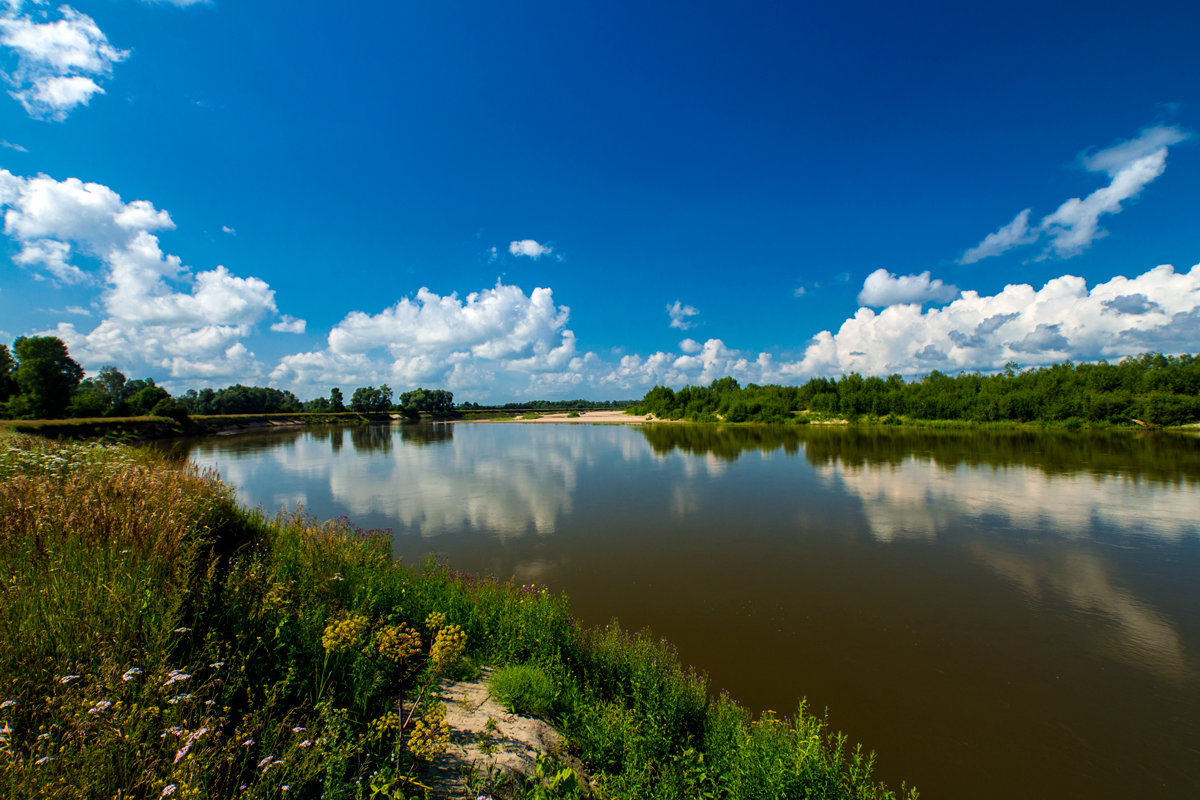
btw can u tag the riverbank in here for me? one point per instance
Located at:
(162, 640)
(141, 429)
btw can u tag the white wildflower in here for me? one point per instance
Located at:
(175, 676)
(103, 705)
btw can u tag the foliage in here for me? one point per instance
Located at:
(429, 401)
(524, 689)
(8, 383)
(239, 399)
(161, 642)
(1153, 388)
(45, 376)
(368, 398)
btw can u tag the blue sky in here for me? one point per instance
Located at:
(559, 199)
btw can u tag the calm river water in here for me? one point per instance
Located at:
(999, 615)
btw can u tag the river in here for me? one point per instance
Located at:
(997, 614)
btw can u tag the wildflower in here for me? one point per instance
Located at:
(102, 706)
(179, 698)
(43, 760)
(175, 676)
(217, 664)
(447, 648)
(276, 763)
(286, 787)
(183, 630)
(181, 752)
(430, 735)
(397, 642)
(305, 743)
(435, 621)
(337, 576)
(266, 760)
(129, 673)
(247, 743)
(7, 704)
(298, 728)
(5, 733)
(69, 678)
(210, 702)
(344, 634)
(168, 790)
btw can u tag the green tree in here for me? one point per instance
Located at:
(46, 375)
(111, 382)
(336, 403)
(144, 401)
(8, 384)
(368, 398)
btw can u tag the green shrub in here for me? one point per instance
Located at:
(524, 689)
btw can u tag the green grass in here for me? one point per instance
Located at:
(524, 689)
(162, 641)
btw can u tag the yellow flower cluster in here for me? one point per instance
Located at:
(447, 648)
(435, 621)
(430, 734)
(387, 725)
(345, 633)
(397, 642)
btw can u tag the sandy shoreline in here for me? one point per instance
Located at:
(584, 416)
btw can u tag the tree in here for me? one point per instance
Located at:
(368, 398)
(146, 399)
(112, 383)
(46, 374)
(336, 403)
(8, 385)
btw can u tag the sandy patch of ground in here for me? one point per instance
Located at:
(487, 744)
(585, 416)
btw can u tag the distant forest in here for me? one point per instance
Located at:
(1153, 388)
(40, 380)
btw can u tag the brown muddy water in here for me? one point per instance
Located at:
(998, 615)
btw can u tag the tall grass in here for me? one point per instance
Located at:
(162, 642)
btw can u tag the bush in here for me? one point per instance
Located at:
(170, 407)
(524, 689)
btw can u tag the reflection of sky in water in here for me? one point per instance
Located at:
(525, 482)
(920, 499)
(1037, 531)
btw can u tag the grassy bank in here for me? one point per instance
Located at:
(136, 429)
(161, 642)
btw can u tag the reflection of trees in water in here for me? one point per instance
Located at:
(724, 441)
(1160, 457)
(423, 434)
(371, 438)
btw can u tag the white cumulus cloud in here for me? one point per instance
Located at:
(289, 324)
(58, 62)
(529, 248)
(680, 314)
(882, 288)
(1131, 166)
(159, 314)
(1158, 310)
(497, 336)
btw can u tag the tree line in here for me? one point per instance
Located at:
(1153, 388)
(40, 380)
